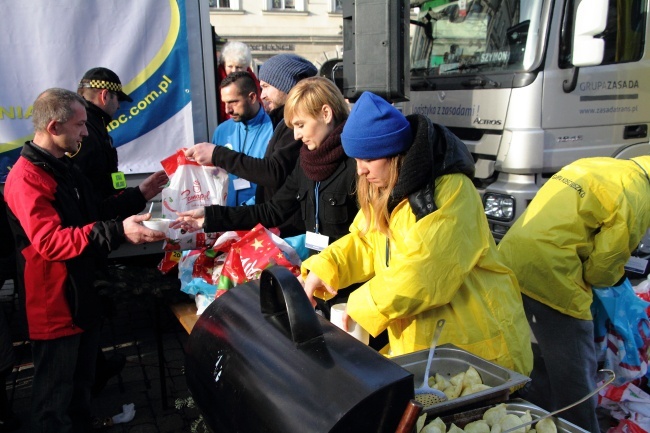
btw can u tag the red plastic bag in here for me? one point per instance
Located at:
(627, 426)
(169, 261)
(254, 252)
(629, 404)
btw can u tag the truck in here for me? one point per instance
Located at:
(529, 86)
(163, 52)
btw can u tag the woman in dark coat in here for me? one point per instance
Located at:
(321, 186)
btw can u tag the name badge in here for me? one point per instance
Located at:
(316, 241)
(119, 181)
(240, 184)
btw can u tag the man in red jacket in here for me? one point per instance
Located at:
(61, 231)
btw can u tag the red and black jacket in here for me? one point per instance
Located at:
(61, 231)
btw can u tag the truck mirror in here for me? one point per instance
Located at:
(591, 20)
(376, 48)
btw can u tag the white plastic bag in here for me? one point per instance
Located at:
(191, 185)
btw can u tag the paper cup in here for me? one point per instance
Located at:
(354, 329)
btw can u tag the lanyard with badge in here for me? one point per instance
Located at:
(119, 180)
(314, 240)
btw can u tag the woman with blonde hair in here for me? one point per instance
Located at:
(421, 244)
(321, 186)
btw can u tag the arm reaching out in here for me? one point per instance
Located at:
(201, 153)
(314, 283)
(191, 220)
(153, 185)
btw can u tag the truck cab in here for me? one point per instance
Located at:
(531, 86)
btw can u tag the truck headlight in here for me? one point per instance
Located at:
(499, 206)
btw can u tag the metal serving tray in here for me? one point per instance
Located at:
(517, 407)
(450, 360)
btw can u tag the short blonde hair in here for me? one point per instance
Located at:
(309, 96)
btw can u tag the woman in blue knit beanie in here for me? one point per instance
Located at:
(421, 243)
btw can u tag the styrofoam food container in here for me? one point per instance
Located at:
(159, 224)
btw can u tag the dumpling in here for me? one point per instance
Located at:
(420, 422)
(471, 377)
(509, 421)
(547, 425)
(458, 379)
(494, 414)
(453, 428)
(453, 391)
(439, 423)
(441, 382)
(479, 426)
(526, 418)
(431, 428)
(472, 389)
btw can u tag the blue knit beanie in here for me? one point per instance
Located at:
(375, 129)
(285, 70)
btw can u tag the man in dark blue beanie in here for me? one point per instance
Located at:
(278, 75)
(285, 70)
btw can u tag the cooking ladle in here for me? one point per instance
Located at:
(609, 380)
(425, 394)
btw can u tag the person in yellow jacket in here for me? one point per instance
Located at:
(421, 243)
(577, 233)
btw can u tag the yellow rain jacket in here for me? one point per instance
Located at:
(445, 265)
(579, 232)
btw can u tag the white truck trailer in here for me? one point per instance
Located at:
(528, 85)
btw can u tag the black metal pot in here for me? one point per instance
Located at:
(261, 360)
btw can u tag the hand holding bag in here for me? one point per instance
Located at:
(191, 185)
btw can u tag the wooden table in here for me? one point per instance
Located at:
(185, 312)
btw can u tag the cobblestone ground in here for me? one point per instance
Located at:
(135, 295)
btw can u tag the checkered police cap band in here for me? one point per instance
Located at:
(101, 84)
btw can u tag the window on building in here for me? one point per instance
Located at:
(225, 4)
(336, 6)
(286, 5)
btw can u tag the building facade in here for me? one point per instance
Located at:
(312, 29)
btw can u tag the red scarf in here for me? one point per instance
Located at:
(321, 163)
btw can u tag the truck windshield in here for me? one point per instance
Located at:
(474, 36)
